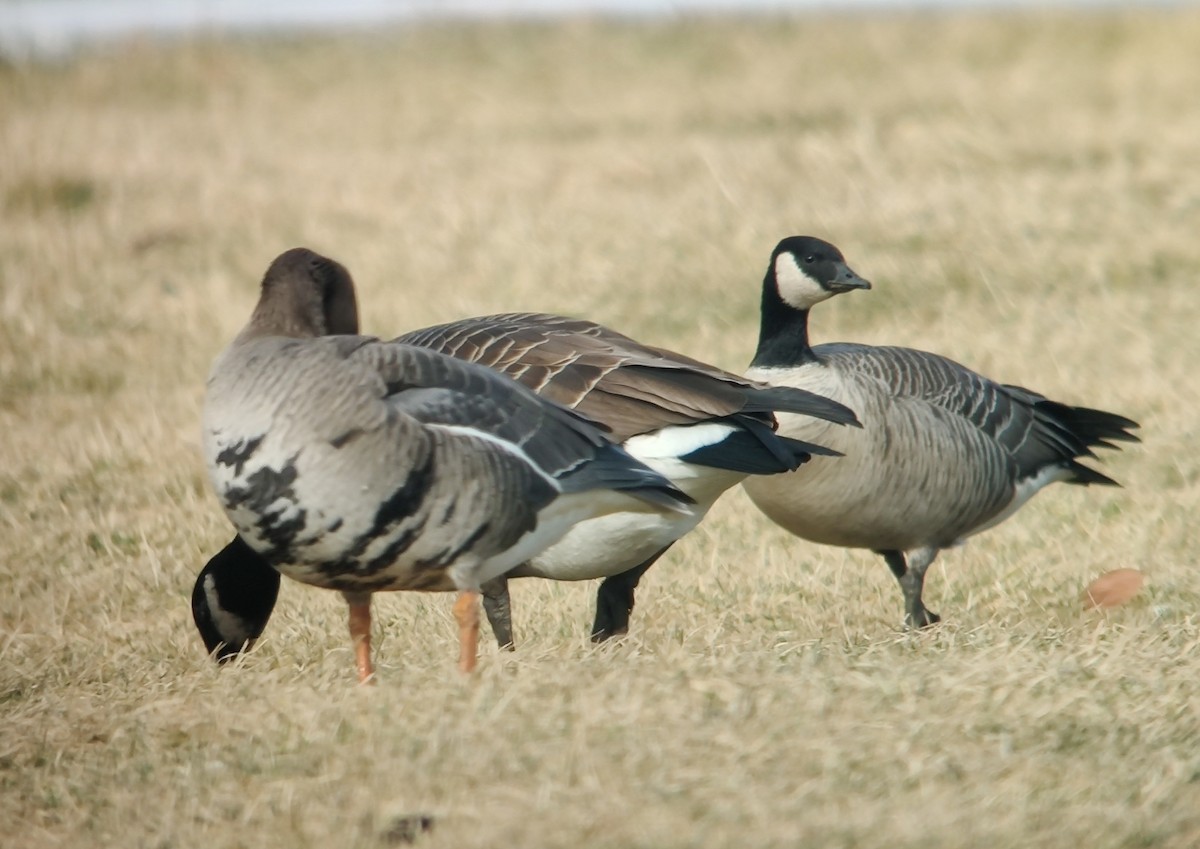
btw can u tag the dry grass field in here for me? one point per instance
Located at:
(1024, 191)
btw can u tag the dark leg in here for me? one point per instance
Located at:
(910, 574)
(614, 600)
(498, 607)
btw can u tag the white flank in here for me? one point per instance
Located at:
(553, 523)
(1024, 490)
(609, 545)
(670, 443)
(662, 449)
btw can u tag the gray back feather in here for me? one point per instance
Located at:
(437, 389)
(1033, 431)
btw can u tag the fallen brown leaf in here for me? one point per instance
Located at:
(1113, 588)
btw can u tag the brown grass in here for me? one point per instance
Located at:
(1024, 190)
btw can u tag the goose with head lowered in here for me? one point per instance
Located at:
(943, 453)
(704, 428)
(360, 465)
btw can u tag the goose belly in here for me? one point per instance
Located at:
(608, 545)
(611, 544)
(910, 477)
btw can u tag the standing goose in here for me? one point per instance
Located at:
(702, 427)
(943, 452)
(360, 465)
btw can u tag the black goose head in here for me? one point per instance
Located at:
(805, 270)
(305, 294)
(232, 600)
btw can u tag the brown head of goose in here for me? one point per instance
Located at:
(360, 465)
(943, 452)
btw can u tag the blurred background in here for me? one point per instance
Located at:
(52, 27)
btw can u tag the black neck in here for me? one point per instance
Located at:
(783, 333)
(245, 582)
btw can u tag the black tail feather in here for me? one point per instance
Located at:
(789, 399)
(1084, 476)
(1093, 428)
(1079, 430)
(1097, 427)
(755, 449)
(612, 467)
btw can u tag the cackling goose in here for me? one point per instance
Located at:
(704, 428)
(943, 453)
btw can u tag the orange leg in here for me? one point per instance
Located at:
(466, 611)
(360, 635)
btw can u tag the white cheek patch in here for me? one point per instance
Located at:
(795, 287)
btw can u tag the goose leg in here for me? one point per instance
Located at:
(614, 600)
(360, 634)
(913, 585)
(498, 607)
(910, 573)
(466, 611)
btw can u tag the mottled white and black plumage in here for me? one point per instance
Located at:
(702, 427)
(943, 453)
(361, 465)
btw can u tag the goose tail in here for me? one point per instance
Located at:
(1082, 430)
(752, 447)
(1095, 428)
(789, 399)
(612, 467)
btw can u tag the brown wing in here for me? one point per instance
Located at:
(629, 387)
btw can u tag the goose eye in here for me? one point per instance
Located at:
(810, 259)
